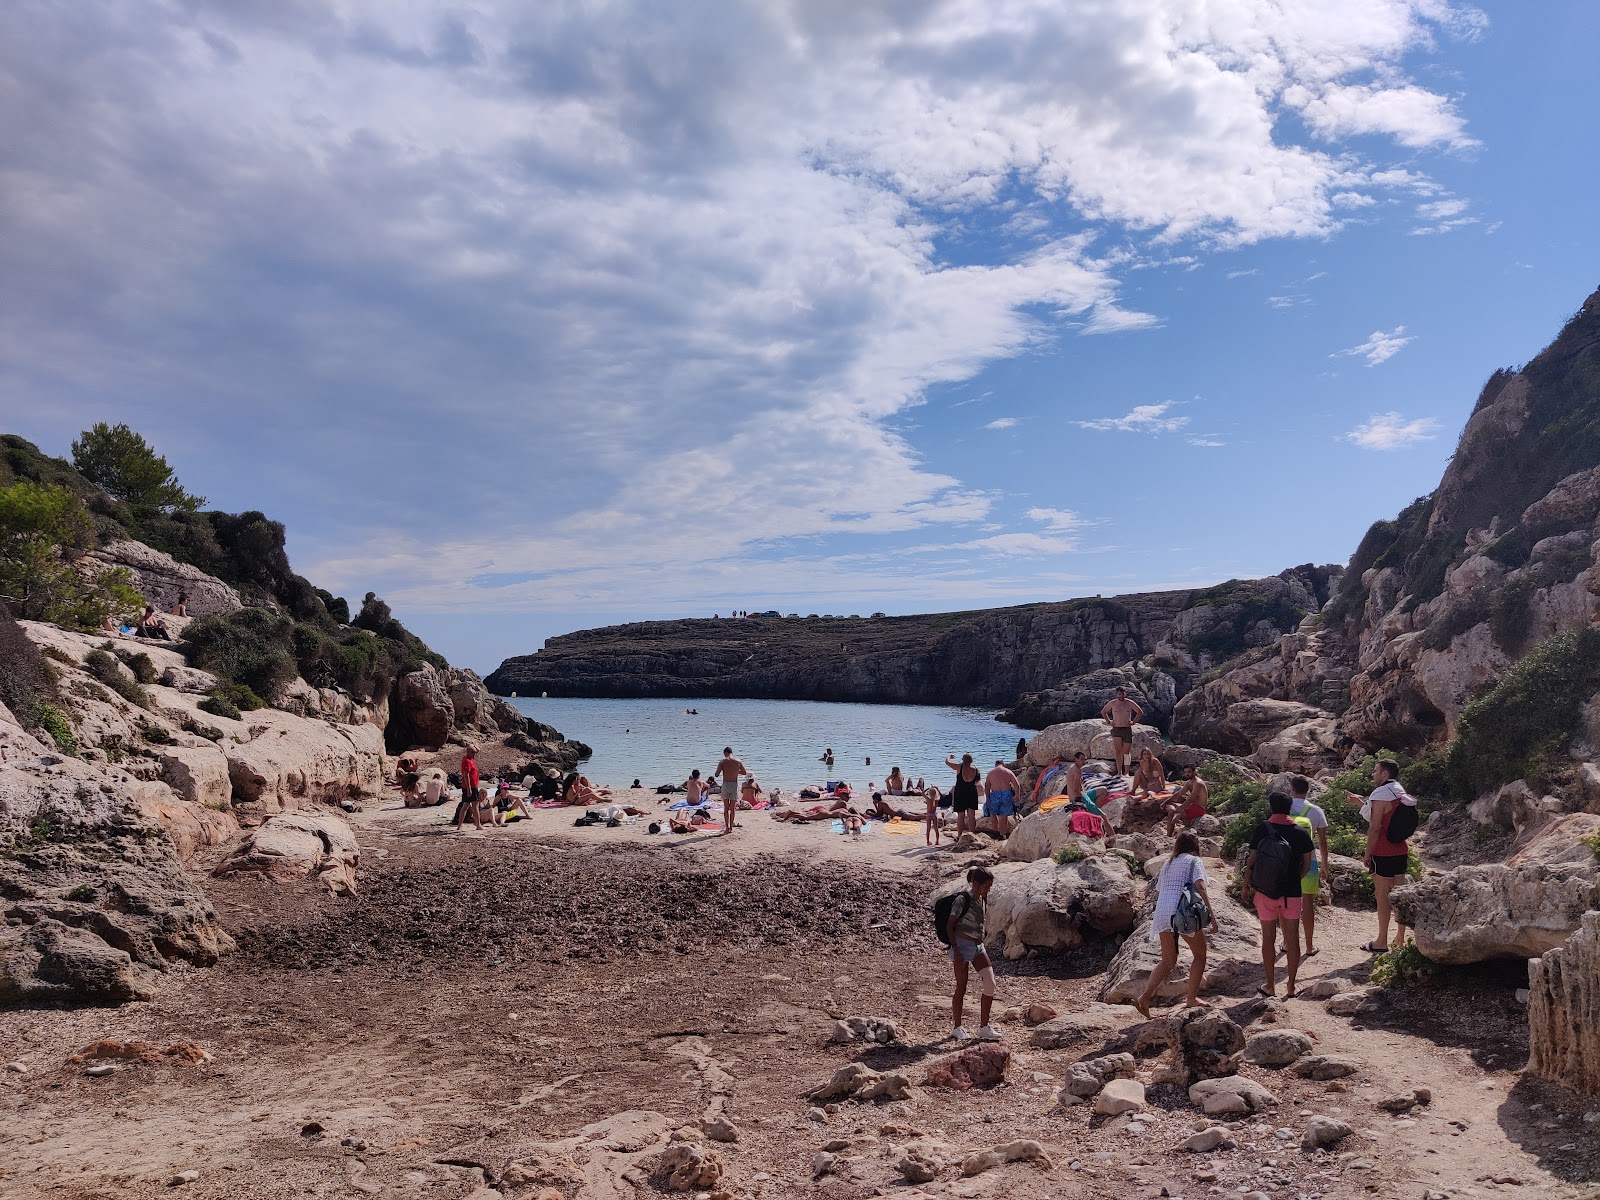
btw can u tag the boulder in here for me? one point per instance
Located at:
(1119, 1096)
(1322, 1133)
(1495, 910)
(1085, 1079)
(1208, 1044)
(1093, 1022)
(1307, 747)
(1039, 835)
(981, 1066)
(1323, 1067)
(687, 1167)
(1213, 1137)
(198, 774)
(47, 961)
(189, 679)
(422, 710)
(1093, 737)
(1276, 1047)
(300, 845)
(160, 578)
(289, 763)
(1022, 1150)
(1045, 907)
(190, 827)
(1233, 1095)
(860, 1083)
(879, 1030)
(1564, 1010)
(1233, 965)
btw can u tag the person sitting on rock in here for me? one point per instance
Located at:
(1190, 803)
(152, 626)
(579, 792)
(1150, 777)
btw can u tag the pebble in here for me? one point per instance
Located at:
(183, 1177)
(99, 1070)
(17, 1068)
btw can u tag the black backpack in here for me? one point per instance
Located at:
(1277, 868)
(1402, 820)
(942, 908)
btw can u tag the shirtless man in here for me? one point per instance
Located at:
(694, 788)
(730, 768)
(1075, 777)
(1189, 804)
(1123, 714)
(1001, 786)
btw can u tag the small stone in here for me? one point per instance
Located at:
(183, 1177)
(720, 1129)
(1119, 1096)
(17, 1068)
(1323, 1132)
(1207, 1140)
(817, 1115)
(99, 1070)
(311, 1129)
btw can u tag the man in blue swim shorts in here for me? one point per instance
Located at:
(1001, 786)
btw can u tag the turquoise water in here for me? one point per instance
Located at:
(781, 741)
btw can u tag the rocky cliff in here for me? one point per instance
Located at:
(1154, 643)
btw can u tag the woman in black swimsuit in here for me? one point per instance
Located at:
(964, 796)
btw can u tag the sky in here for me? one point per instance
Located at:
(532, 318)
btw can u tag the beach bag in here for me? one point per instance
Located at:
(1086, 823)
(946, 799)
(1193, 914)
(942, 908)
(1276, 873)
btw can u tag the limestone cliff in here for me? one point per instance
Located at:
(989, 656)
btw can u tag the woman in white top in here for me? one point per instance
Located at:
(1181, 868)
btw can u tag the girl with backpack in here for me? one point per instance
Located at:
(1392, 816)
(1183, 909)
(960, 921)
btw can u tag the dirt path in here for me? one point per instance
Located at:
(459, 1018)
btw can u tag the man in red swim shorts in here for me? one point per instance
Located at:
(1280, 855)
(1191, 802)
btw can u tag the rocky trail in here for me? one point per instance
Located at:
(454, 1032)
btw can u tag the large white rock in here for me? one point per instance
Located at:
(1042, 906)
(290, 762)
(300, 845)
(1493, 910)
(160, 578)
(1564, 1010)
(1039, 835)
(198, 774)
(1093, 737)
(1233, 963)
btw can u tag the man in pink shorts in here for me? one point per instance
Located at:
(1280, 855)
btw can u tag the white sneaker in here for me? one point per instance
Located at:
(961, 1034)
(988, 1033)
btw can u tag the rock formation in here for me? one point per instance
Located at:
(1564, 1010)
(989, 656)
(1495, 910)
(161, 579)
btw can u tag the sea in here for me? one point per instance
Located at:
(659, 741)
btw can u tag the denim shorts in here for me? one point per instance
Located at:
(966, 949)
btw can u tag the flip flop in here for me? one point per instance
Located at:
(1142, 1007)
(1373, 948)
(1266, 995)
(1312, 953)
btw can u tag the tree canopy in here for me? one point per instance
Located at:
(120, 461)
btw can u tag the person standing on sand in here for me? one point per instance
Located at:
(1280, 856)
(729, 769)
(930, 819)
(967, 931)
(1182, 869)
(1314, 821)
(1123, 715)
(1387, 860)
(964, 796)
(469, 773)
(1002, 786)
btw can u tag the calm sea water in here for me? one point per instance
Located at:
(656, 741)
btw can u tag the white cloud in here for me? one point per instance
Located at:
(1143, 418)
(1003, 423)
(488, 239)
(1287, 301)
(1205, 440)
(1391, 431)
(1244, 274)
(1379, 347)
(1438, 210)
(1057, 520)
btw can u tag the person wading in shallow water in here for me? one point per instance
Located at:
(729, 769)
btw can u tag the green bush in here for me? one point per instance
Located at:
(1069, 852)
(109, 671)
(240, 696)
(54, 722)
(121, 462)
(219, 706)
(41, 527)
(251, 647)
(1404, 964)
(1593, 843)
(140, 663)
(84, 894)
(156, 735)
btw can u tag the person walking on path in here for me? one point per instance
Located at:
(729, 769)
(964, 796)
(1182, 870)
(1123, 715)
(1001, 786)
(966, 930)
(1314, 821)
(1280, 856)
(1386, 858)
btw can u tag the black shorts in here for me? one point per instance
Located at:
(1390, 866)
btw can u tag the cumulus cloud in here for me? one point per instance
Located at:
(1142, 418)
(1391, 431)
(661, 266)
(1003, 423)
(1379, 347)
(1057, 520)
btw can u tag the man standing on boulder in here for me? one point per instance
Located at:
(729, 769)
(1123, 715)
(1001, 786)
(1280, 856)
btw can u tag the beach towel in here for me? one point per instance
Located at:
(838, 827)
(904, 828)
(1086, 824)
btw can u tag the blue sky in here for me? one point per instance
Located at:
(532, 318)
